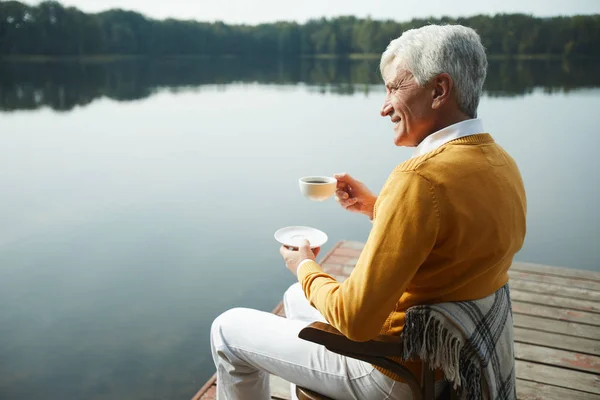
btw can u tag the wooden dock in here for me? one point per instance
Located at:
(556, 315)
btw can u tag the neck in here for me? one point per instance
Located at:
(448, 119)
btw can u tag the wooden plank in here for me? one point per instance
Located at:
(558, 358)
(555, 326)
(348, 244)
(210, 394)
(557, 341)
(549, 288)
(556, 271)
(558, 376)
(556, 301)
(556, 280)
(539, 310)
(326, 257)
(537, 391)
(204, 389)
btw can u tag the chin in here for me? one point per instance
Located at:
(401, 137)
(402, 141)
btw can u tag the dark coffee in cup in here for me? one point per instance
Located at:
(316, 181)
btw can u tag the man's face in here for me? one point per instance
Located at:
(408, 105)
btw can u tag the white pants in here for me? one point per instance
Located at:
(248, 345)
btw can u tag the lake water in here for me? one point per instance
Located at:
(139, 200)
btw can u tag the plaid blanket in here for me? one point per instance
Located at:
(468, 340)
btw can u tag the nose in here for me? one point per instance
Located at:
(386, 109)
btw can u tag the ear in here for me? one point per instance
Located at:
(442, 88)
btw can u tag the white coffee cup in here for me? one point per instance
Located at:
(317, 188)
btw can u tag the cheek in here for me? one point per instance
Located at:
(418, 109)
(424, 102)
(399, 106)
(405, 105)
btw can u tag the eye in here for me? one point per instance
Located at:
(392, 87)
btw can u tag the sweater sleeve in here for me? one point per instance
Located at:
(404, 232)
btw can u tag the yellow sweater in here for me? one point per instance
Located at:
(446, 227)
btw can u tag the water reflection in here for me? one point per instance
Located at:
(65, 85)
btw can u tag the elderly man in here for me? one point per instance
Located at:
(446, 226)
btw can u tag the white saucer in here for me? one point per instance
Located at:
(292, 236)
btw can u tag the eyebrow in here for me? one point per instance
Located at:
(393, 84)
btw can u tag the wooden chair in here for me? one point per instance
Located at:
(375, 352)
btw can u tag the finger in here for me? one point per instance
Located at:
(346, 178)
(316, 251)
(348, 203)
(286, 250)
(341, 176)
(342, 195)
(342, 185)
(304, 246)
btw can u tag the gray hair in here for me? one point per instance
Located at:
(434, 49)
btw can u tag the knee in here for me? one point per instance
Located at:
(293, 292)
(225, 332)
(228, 321)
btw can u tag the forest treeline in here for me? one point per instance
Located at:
(54, 30)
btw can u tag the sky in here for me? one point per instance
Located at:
(257, 11)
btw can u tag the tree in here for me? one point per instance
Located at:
(51, 29)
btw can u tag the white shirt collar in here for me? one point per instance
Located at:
(443, 136)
